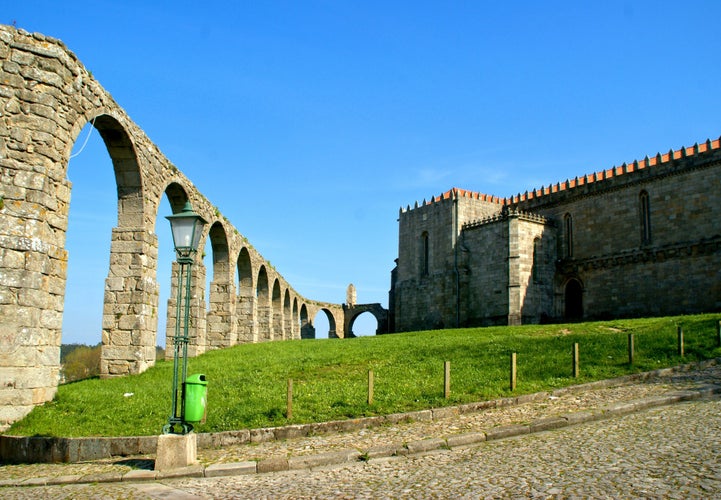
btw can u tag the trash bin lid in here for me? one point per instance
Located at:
(197, 378)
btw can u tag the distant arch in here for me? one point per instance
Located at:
(263, 305)
(276, 330)
(352, 313)
(307, 331)
(295, 320)
(287, 325)
(332, 333)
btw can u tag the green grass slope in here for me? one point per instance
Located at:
(247, 384)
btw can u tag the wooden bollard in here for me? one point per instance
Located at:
(630, 348)
(289, 400)
(370, 387)
(679, 331)
(446, 379)
(718, 333)
(513, 371)
(576, 367)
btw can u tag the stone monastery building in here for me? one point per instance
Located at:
(642, 239)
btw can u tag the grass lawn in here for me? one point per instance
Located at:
(247, 384)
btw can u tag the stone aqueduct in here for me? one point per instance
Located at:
(46, 98)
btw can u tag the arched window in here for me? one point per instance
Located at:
(425, 251)
(645, 212)
(568, 235)
(535, 271)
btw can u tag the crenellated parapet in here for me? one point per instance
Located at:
(455, 194)
(654, 165)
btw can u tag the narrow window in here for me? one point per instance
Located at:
(568, 234)
(645, 211)
(424, 254)
(535, 272)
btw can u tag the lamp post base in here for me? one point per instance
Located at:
(176, 450)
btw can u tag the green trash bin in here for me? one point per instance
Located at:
(196, 397)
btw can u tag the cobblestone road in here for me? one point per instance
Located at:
(670, 452)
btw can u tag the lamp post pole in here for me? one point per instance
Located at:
(187, 228)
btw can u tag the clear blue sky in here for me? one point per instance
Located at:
(310, 123)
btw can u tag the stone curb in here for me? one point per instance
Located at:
(307, 462)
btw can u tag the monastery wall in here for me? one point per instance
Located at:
(641, 239)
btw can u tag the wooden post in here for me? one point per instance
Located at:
(289, 400)
(718, 333)
(679, 331)
(513, 371)
(370, 387)
(630, 348)
(575, 360)
(446, 379)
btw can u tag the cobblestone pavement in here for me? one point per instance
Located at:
(669, 452)
(672, 452)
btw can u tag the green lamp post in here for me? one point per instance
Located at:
(187, 228)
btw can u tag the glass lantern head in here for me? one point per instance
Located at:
(187, 228)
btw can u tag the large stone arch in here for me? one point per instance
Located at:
(263, 312)
(245, 307)
(287, 316)
(178, 193)
(307, 330)
(332, 330)
(276, 323)
(295, 321)
(131, 291)
(220, 329)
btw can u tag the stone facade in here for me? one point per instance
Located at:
(642, 239)
(46, 98)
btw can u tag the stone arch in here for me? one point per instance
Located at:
(332, 330)
(220, 330)
(573, 300)
(178, 194)
(129, 310)
(120, 145)
(277, 312)
(263, 306)
(307, 330)
(287, 316)
(351, 314)
(295, 320)
(246, 298)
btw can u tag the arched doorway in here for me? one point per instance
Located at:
(573, 300)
